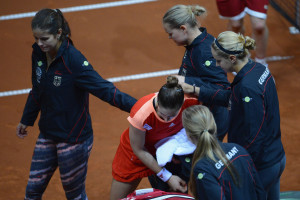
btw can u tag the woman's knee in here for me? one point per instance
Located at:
(120, 190)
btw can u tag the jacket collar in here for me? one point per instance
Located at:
(200, 38)
(64, 45)
(243, 72)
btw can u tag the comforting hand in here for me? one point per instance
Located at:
(21, 130)
(187, 88)
(177, 184)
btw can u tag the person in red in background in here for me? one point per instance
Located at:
(153, 118)
(235, 11)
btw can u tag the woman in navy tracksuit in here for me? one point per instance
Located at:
(198, 65)
(254, 108)
(62, 79)
(219, 170)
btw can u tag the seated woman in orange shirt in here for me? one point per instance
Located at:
(154, 117)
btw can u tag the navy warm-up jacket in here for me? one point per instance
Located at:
(199, 66)
(214, 181)
(254, 113)
(61, 93)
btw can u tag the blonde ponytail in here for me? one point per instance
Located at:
(201, 128)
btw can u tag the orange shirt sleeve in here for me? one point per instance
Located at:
(141, 111)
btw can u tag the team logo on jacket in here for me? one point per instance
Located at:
(57, 81)
(200, 175)
(38, 73)
(187, 159)
(247, 99)
(85, 63)
(147, 127)
(207, 63)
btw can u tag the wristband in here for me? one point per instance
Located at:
(164, 175)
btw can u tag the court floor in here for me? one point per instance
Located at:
(122, 40)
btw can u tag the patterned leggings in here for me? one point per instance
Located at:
(72, 161)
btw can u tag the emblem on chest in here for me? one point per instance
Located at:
(57, 81)
(38, 73)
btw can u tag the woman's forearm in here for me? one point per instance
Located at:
(148, 160)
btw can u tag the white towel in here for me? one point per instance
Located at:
(177, 144)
